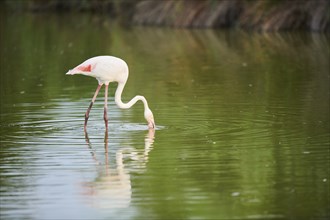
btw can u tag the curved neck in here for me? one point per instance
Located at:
(129, 104)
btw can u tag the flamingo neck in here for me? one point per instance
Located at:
(129, 104)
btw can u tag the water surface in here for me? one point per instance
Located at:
(242, 123)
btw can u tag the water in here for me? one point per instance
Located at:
(242, 123)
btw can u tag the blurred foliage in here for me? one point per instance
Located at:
(61, 5)
(261, 15)
(123, 9)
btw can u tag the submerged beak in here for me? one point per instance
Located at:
(151, 124)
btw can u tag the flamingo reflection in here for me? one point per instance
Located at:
(111, 188)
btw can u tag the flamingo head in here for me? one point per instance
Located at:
(150, 118)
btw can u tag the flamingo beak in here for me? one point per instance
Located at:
(151, 124)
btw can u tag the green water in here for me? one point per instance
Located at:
(242, 123)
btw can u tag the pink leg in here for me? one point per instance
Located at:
(90, 106)
(106, 107)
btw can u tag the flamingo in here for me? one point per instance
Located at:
(108, 69)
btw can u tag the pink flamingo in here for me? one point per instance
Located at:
(108, 69)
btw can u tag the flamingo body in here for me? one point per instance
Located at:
(105, 69)
(108, 69)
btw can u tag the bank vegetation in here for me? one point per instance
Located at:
(260, 15)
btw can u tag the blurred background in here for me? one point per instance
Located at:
(264, 15)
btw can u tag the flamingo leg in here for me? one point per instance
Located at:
(106, 107)
(90, 106)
